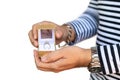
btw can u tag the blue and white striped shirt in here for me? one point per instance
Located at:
(102, 18)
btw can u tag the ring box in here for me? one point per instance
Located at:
(46, 38)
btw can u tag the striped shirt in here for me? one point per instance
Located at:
(102, 17)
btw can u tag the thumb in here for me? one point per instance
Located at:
(58, 34)
(51, 57)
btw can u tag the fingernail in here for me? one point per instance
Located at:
(44, 59)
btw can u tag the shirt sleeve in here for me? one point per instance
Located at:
(109, 56)
(86, 25)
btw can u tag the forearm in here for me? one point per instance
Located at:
(87, 55)
(84, 55)
(86, 25)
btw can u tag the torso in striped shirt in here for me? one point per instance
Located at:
(108, 30)
(109, 22)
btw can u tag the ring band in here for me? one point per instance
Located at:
(47, 45)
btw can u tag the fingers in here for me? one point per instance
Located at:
(52, 57)
(40, 65)
(33, 41)
(54, 66)
(35, 32)
(61, 33)
(58, 33)
(38, 62)
(33, 36)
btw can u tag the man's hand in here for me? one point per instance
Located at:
(63, 59)
(33, 33)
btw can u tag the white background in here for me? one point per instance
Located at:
(16, 52)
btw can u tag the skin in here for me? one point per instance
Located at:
(63, 59)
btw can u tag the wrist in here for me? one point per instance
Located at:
(88, 57)
(94, 66)
(84, 57)
(69, 33)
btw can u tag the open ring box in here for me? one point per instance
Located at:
(46, 38)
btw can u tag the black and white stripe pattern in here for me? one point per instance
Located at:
(102, 16)
(108, 39)
(85, 26)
